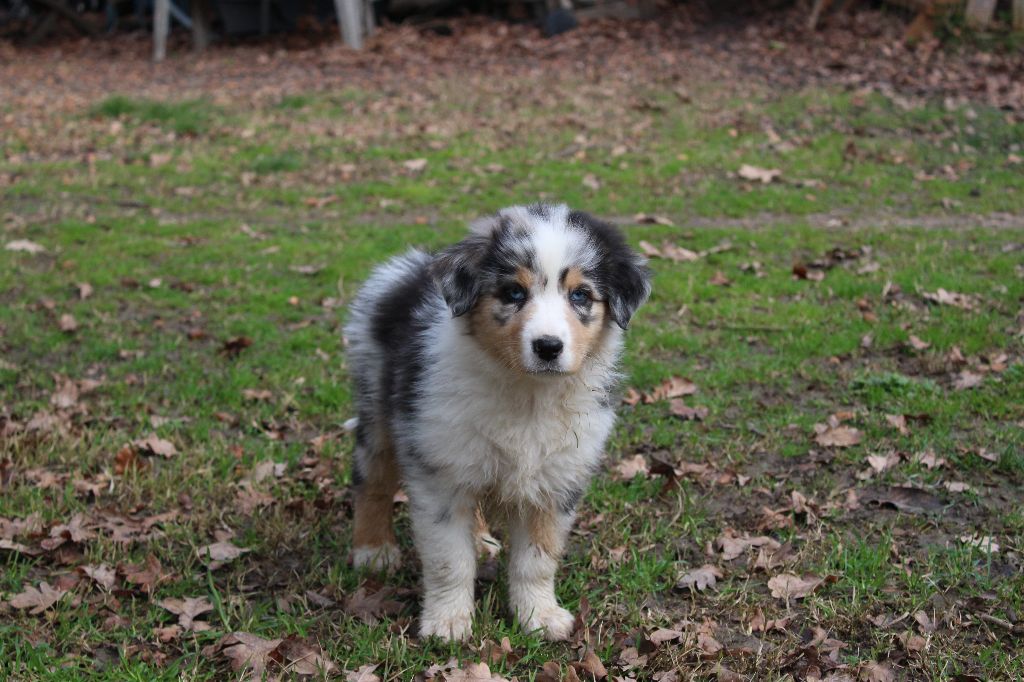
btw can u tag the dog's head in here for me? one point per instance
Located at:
(542, 285)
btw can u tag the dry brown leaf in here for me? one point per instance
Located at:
(67, 323)
(364, 674)
(663, 635)
(929, 460)
(593, 666)
(220, 553)
(733, 546)
(246, 652)
(155, 445)
(898, 422)
(299, 658)
(632, 467)
(876, 672)
(836, 436)
(146, 576)
(257, 394)
(187, 610)
(700, 578)
(66, 394)
(677, 408)
(762, 175)
(951, 298)
(415, 165)
(719, 279)
(967, 379)
(985, 543)
(25, 246)
(882, 463)
(369, 607)
(917, 344)
(102, 574)
(38, 599)
(789, 586)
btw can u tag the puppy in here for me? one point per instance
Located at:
(484, 377)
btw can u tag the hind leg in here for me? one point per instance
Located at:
(376, 480)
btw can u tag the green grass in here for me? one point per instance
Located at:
(194, 240)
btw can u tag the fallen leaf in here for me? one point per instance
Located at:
(951, 298)
(593, 666)
(590, 181)
(677, 408)
(917, 344)
(911, 500)
(300, 658)
(929, 460)
(155, 445)
(232, 347)
(38, 599)
(836, 436)
(762, 175)
(987, 455)
(719, 279)
(146, 576)
(187, 610)
(67, 323)
(700, 578)
(664, 635)
(102, 574)
(369, 607)
(985, 543)
(220, 553)
(246, 652)
(876, 672)
(631, 467)
(364, 674)
(967, 379)
(733, 546)
(25, 246)
(956, 486)
(899, 422)
(650, 219)
(257, 394)
(415, 165)
(789, 586)
(882, 463)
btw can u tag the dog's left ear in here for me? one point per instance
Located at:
(622, 274)
(629, 285)
(457, 272)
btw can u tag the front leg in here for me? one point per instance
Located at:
(443, 526)
(537, 538)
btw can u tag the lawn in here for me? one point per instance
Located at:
(835, 490)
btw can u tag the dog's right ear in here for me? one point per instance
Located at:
(457, 272)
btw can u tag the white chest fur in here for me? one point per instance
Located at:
(521, 439)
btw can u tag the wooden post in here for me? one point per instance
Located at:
(161, 24)
(350, 22)
(979, 13)
(200, 25)
(1018, 15)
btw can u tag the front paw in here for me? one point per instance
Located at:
(450, 627)
(554, 623)
(386, 557)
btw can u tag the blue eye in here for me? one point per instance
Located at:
(514, 294)
(579, 296)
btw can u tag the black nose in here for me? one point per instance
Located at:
(547, 347)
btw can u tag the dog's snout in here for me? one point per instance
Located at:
(547, 348)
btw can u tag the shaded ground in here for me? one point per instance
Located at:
(836, 491)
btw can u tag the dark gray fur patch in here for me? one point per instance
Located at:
(569, 499)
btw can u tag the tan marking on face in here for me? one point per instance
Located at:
(502, 341)
(542, 524)
(585, 337)
(525, 277)
(573, 279)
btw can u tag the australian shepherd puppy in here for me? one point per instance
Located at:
(484, 377)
